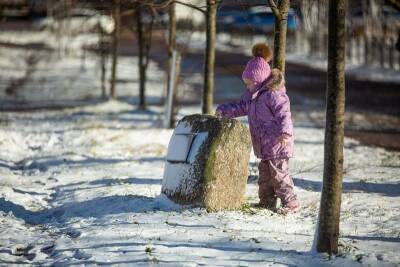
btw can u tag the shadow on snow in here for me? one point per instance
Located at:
(390, 190)
(96, 208)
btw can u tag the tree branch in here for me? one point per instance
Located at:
(274, 8)
(395, 4)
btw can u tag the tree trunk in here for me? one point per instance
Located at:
(171, 39)
(141, 45)
(115, 44)
(102, 63)
(208, 90)
(280, 34)
(329, 214)
(67, 30)
(171, 48)
(382, 48)
(2, 17)
(176, 91)
(392, 52)
(49, 8)
(171, 99)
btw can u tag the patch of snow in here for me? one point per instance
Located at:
(78, 24)
(81, 186)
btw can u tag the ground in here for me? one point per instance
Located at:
(81, 185)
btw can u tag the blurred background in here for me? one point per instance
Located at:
(59, 53)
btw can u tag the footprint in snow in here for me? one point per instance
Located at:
(23, 250)
(80, 255)
(73, 233)
(48, 248)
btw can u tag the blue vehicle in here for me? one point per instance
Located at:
(230, 19)
(257, 19)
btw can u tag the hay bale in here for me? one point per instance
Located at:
(207, 163)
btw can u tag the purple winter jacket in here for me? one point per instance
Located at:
(268, 112)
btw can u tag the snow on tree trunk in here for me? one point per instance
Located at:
(207, 163)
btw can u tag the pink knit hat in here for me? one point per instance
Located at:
(257, 70)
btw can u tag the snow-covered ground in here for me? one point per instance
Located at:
(81, 185)
(36, 78)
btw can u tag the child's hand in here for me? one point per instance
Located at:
(284, 139)
(218, 114)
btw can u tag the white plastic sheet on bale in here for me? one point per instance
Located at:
(182, 151)
(179, 147)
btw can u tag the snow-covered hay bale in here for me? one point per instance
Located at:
(207, 163)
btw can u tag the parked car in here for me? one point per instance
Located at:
(256, 19)
(231, 19)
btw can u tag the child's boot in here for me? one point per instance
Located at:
(291, 207)
(271, 204)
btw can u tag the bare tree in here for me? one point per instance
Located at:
(144, 42)
(280, 12)
(208, 89)
(329, 213)
(141, 46)
(49, 8)
(171, 35)
(171, 48)
(103, 59)
(117, 20)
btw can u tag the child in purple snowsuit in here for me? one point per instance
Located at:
(267, 106)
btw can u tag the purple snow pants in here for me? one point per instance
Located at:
(274, 181)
